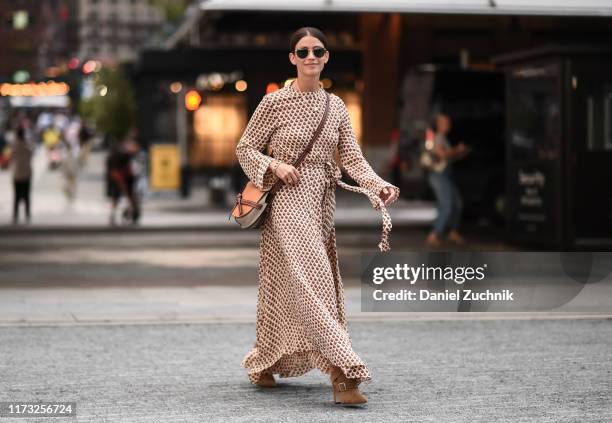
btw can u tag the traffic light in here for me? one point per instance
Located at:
(192, 100)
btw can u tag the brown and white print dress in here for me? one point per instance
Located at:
(301, 321)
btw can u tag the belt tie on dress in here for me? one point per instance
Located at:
(334, 176)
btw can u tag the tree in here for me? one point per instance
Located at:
(113, 105)
(173, 9)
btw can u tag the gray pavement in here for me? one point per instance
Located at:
(146, 327)
(186, 277)
(436, 371)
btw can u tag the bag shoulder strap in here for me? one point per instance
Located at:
(277, 185)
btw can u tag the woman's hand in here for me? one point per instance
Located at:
(288, 174)
(388, 194)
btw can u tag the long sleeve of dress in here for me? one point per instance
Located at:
(352, 159)
(256, 136)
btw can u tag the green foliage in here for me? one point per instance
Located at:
(115, 112)
(173, 9)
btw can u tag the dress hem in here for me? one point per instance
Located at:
(313, 358)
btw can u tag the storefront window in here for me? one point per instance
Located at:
(353, 105)
(218, 125)
(535, 114)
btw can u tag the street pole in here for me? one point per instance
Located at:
(181, 134)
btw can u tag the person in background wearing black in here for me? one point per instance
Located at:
(21, 160)
(4, 156)
(84, 144)
(120, 179)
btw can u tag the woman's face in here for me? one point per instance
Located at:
(311, 65)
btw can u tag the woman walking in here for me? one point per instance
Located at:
(301, 321)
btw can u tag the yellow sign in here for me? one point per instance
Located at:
(165, 167)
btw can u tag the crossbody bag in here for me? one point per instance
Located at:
(252, 205)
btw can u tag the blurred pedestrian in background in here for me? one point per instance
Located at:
(120, 179)
(51, 138)
(5, 148)
(440, 178)
(21, 161)
(70, 164)
(137, 162)
(43, 121)
(85, 137)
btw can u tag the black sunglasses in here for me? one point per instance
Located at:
(302, 53)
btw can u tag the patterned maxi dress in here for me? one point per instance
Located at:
(301, 321)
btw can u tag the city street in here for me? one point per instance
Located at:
(436, 371)
(147, 327)
(150, 323)
(481, 293)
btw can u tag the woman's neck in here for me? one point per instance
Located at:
(304, 83)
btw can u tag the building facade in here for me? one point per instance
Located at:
(115, 30)
(36, 37)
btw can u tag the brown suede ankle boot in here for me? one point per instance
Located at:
(266, 380)
(346, 391)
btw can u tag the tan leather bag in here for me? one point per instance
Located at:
(252, 204)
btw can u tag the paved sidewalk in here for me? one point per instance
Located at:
(187, 277)
(447, 371)
(166, 209)
(152, 327)
(205, 304)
